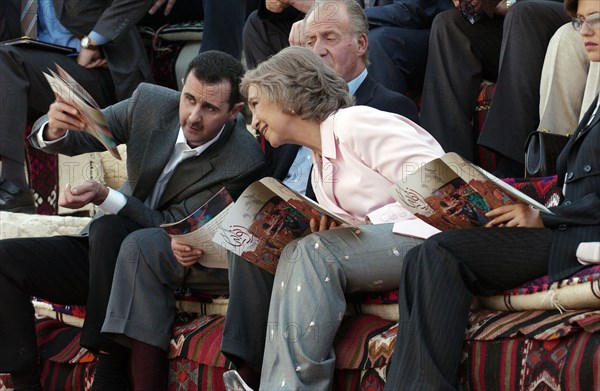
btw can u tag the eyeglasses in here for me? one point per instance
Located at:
(593, 21)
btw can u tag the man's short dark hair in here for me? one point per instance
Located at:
(214, 67)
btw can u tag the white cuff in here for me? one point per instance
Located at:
(113, 203)
(40, 136)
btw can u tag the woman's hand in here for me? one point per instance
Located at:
(186, 255)
(517, 215)
(323, 224)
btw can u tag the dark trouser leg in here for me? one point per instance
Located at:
(438, 281)
(55, 269)
(223, 25)
(514, 111)
(398, 57)
(106, 235)
(461, 54)
(246, 321)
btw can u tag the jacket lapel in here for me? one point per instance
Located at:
(155, 155)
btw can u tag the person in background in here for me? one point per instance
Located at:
(223, 20)
(461, 264)
(569, 82)
(110, 63)
(269, 28)
(507, 49)
(181, 149)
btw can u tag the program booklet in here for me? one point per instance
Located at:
(70, 91)
(264, 219)
(36, 44)
(451, 192)
(198, 229)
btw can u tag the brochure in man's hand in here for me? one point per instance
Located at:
(70, 91)
(265, 218)
(198, 229)
(451, 192)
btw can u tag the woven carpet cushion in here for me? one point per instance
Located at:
(532, 350)
(580, 291)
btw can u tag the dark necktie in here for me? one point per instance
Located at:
(29, 18)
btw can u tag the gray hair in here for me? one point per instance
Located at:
(300, 82)
(359, 24)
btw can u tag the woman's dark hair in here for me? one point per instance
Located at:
(571, 7)
(214, 67)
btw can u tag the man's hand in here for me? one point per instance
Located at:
(296, 37)
(158, 3)
(517, 215)
(62, 116)
(185, 255)
(79, 196)
(276, 6)
(91, 58)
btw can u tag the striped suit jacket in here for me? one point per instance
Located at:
(577, 218)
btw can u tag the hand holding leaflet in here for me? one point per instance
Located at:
(70, 91)
(451, 192)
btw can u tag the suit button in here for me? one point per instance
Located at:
(587, 168)
(570, 175)
(562, 227)
(567, 203)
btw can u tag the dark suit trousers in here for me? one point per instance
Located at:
(514, 111)
(398, 57)
(74, 270)
(461, 54)
(251, 299)
(27, 95)
(439, 279)
(510, 53)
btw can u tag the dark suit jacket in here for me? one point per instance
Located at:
(369, 93)
(148, 123)
(577, 218)
(116, 20)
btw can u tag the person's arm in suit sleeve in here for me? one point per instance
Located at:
(417, 14)
(584, 211)
(120, 17)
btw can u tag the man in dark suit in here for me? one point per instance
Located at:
(181, 149)
(267, 29)
(110, 64)
(340, 38)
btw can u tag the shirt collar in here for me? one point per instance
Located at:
(182, 145)
(356, 82)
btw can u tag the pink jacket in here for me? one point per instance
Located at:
(365, 151)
